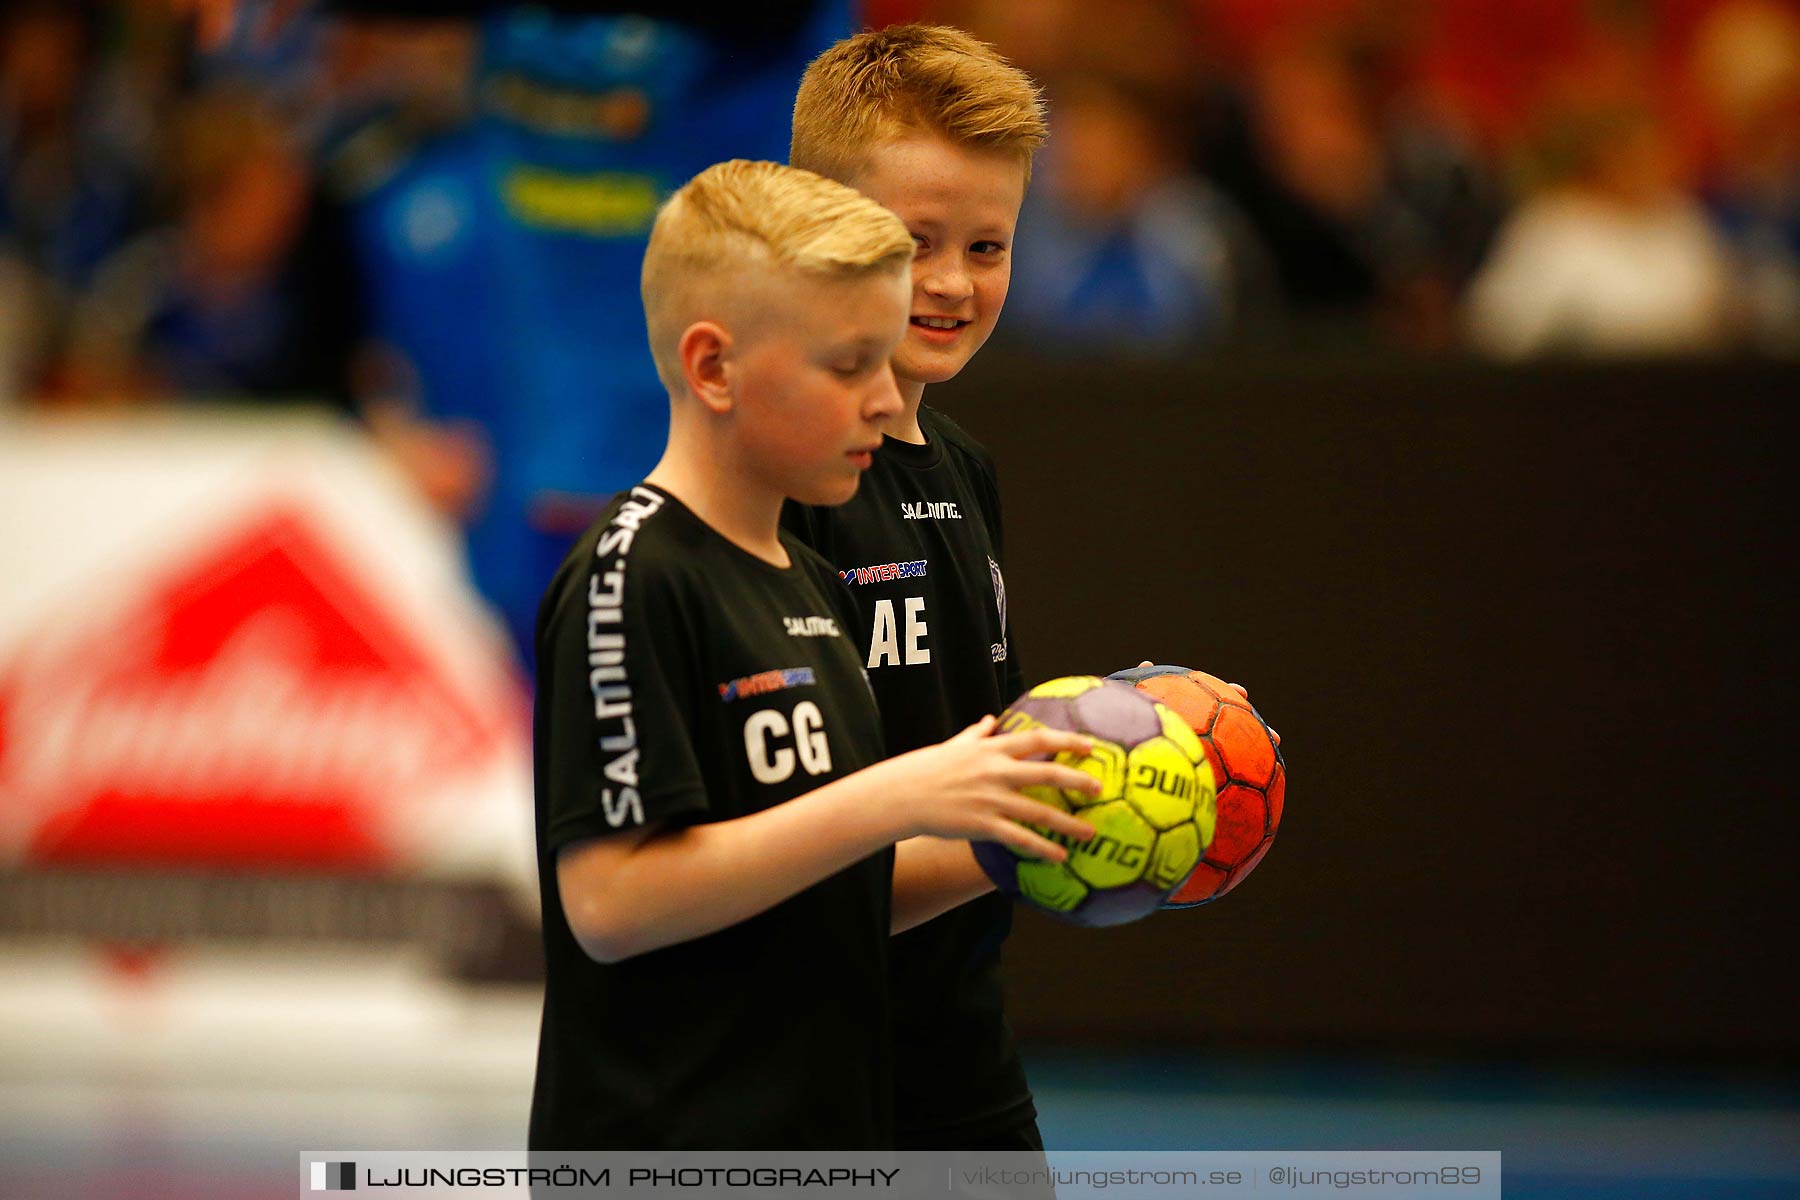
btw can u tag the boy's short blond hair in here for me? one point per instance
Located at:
(738, 218)
(880, 85)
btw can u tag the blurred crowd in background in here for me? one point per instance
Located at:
(1516, 177)
(185, 217)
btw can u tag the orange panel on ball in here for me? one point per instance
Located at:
(1252, 779)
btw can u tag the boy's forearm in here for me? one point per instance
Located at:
(686, 883)
(931, 877)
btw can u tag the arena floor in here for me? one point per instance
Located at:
(202, 1078)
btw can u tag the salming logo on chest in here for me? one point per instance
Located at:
(811, 627)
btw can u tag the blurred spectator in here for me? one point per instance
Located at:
(1347, 148)
(1152, 45)
(1607, 256)
(415, 71)
(68, 190)
(1374, 210)
(241, 293)
(75, 162)
(22, 336)
(397, 96)
(1121, 243)
(1745, 69)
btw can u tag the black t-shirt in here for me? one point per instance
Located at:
(683, 680)
(920, 546)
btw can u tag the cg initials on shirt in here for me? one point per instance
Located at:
(887, 648)
(767, 737)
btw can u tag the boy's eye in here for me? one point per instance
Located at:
(919, 244)
(987, 248)
(852, 369)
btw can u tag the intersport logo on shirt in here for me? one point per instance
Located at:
(259, 705)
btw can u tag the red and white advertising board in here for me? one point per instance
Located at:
(240, 644)
(265, 794)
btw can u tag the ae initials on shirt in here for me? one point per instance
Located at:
(897, 643)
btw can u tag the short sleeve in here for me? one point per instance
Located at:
(621, 698)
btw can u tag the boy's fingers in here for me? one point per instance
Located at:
(978, 730)
(1053, 774)
(1022, 839)
(1028, 742)
(1031, 812)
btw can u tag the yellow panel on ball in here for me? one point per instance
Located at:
(1049, 886)
(1177, 853)
(1043, 795)
(1160, 783)
(1065, 688)
(1181, 733)
(1014, 721)
(1105, 762)
(1118, 851)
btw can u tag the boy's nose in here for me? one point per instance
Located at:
(949, 282)
(883, 402)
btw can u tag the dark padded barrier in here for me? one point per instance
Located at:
(1527, 637)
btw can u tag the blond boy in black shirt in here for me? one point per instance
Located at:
(937, 127)
(716, 831)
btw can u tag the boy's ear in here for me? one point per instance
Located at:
(703, 350)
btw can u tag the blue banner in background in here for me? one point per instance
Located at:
(502, 259)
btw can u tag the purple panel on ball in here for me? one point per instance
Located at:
(999, 864)
(1116, 906)
(1046, 710)
(1119, 713)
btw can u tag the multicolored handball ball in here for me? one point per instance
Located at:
(1246, 762)
(1153, 818)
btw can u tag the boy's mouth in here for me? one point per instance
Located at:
(938, 328)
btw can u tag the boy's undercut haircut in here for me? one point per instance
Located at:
(742, 215)
(880, 85)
